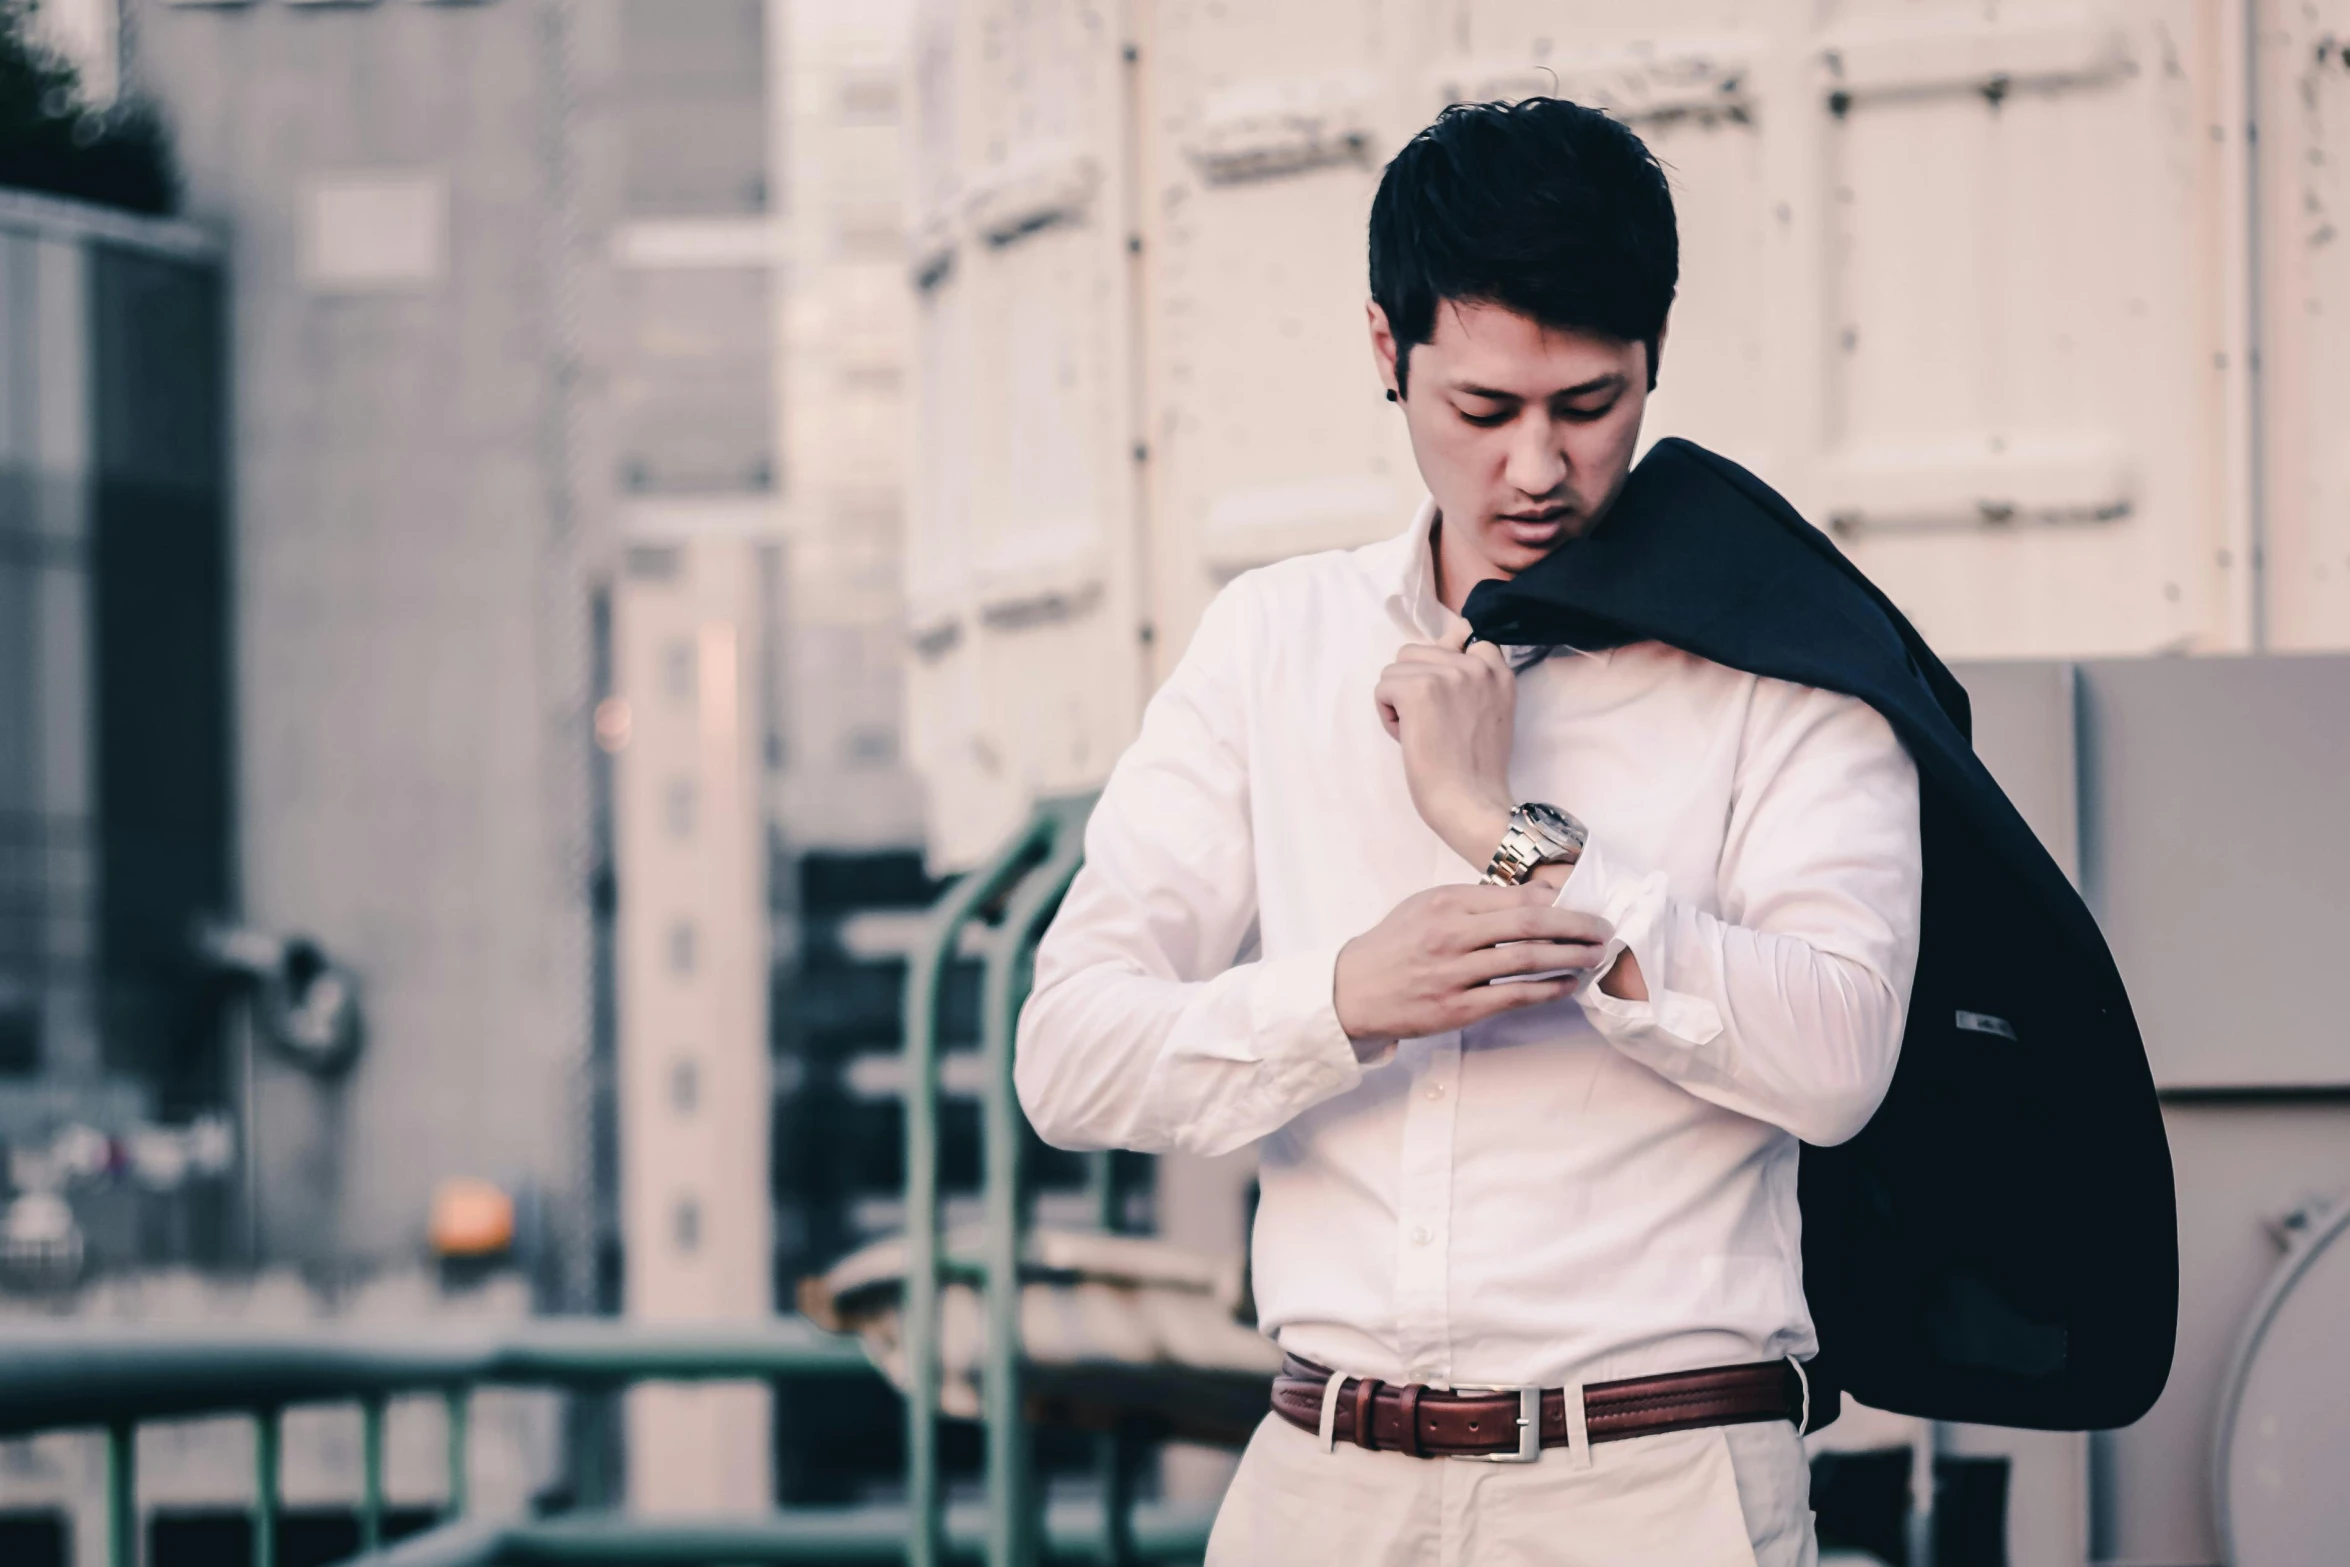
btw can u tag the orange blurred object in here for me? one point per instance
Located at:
(471, 1218)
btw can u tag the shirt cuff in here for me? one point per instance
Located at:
(1637, 910)
(1293, 1019)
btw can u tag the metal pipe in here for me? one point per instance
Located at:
(1012, 1527)
(92, 1374)
(925, 1537)
(268, 1443)
(122, 1505)
(249, 1234)
(458, 1401)
(371, 1474)
(1101, 1184)
(1114, 1454)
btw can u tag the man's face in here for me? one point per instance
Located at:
(1523, 432)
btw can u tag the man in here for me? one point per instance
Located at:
(1539, 1132)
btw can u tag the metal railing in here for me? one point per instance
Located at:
(118, 1378)
(1018, 893)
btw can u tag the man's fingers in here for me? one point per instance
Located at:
(1537, 922)
(1449, 654)
(1388, 696)
(1479, 897)
(1402, 682)
(1493, 1000)
(1488, 964)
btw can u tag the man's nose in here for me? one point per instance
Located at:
(1537, 459)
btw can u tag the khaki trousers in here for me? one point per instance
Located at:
(1729, 1496)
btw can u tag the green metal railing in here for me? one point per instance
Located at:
(1016, 894)
(117, 1378)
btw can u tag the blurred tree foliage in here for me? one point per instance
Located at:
(53, 139)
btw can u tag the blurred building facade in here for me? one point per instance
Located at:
(556, 456)
(411, 566)
(115, 831)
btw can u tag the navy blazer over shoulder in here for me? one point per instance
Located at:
(2000, 1243)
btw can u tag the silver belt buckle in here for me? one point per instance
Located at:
(1529, 1424)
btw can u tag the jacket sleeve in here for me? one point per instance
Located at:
(1789, 1005)
(1141, 1030)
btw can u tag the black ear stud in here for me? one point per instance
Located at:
(1391, 394)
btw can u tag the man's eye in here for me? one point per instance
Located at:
(1488, 421)
(1586, 415)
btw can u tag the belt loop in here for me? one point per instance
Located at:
(1803, 1380)
(1330, 1392)
(1366, 1412)
(1578, 1428)
(1411, 1419)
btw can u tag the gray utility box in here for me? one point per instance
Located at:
(2200, 806)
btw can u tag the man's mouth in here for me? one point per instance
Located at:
(1531, 526)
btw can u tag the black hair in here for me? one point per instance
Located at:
(1543, 207)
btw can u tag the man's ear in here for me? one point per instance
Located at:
(1382, 346)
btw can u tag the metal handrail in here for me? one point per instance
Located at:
(119, 1376)
(977, 890)
(92, 1374)
(1024, 882)
(1011, 1538)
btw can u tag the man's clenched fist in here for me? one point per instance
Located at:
(1430, 965)
(1453, 713)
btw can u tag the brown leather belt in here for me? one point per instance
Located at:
(1428, 1422)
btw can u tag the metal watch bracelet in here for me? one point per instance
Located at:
(1537, 835)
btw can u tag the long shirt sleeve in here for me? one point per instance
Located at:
(1143, 1029)
(1789, 1004)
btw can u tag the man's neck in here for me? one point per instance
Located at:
(1458, 568)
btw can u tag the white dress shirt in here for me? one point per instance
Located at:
(1574, 1192)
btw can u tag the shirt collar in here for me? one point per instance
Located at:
(1406, 563)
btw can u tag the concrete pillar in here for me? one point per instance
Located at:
(693, 1090)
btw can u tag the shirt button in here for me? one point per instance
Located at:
(1436, 1090)
(1419, 1235)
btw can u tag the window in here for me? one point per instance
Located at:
(693, 107)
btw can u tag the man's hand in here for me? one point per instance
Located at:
(1454, 712)
(1428, 967)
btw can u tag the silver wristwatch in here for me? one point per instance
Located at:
(1537, 835)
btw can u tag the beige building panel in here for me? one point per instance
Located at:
(2304, 236)
(1022, 573)
(1267, 128)
(1974, 286)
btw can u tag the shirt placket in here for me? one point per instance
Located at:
(1424, 1215)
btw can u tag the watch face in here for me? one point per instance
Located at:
(1553, 823)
